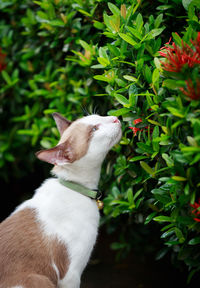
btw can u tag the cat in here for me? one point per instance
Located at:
(47, 241)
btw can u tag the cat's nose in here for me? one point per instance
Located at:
(115, 120)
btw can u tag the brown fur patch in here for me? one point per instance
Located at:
(75, 140)
(72, 146)
(26, 253)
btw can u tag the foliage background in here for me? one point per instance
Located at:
(70, 56)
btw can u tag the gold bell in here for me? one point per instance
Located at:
(100, 204)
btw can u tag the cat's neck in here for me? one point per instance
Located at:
(87, 176)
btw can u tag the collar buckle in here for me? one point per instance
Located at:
(99, 194)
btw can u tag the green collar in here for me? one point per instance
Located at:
(94, 194)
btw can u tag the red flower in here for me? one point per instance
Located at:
(196, 210)
(135, 130)
(2, 61)
(191, 90)
(177, 56)
(136, 121)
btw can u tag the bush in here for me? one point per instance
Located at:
(69, 55)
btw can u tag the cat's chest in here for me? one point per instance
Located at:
(63, 212)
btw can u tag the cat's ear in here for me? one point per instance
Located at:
(58, 155)
(61, 122)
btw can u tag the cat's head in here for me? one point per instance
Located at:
(90, 137)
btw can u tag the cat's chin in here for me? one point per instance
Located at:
(116, 138)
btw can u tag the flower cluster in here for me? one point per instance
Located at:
(136, 129)
(196, 210)
(177, 57)
(2, 60)
(180, 58)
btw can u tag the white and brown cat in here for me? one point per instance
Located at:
(47, 240)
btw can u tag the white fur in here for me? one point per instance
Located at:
(68, 215)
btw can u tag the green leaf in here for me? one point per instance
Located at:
(147, 168)
(158, 20)
(190, 149)
(130, 196)
(163, 219)
(168, 160)
(135, 32)
(130, 78)
(173, 84)
(155, 133)
(150, 217)
(128, 39)
(119, 112)
(6, 77)
(186, 3)
(45, 144)
(107, 19)
(102, 78)
(114, 9)
(155, 76)
(168, 233)
(152, 34)
(117, 246)
(196, 159)
(179, 178)
(103, 52)
(139, 22)
(121, 99)
(148, 74)
(84, 44)
(177, 38)
(179, 234)
(137, 158)
(154, 122)
(84, 13)
(103, 61)
(146, 148)
(9, 157)
(137, 194)
(194, 241)
(164, 7)
(192, 141)
(176, 112)
(98, 25)
(56, 23)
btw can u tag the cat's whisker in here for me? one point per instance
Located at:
(85, 111)
(95, 110)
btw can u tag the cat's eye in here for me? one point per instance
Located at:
(94, 128)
